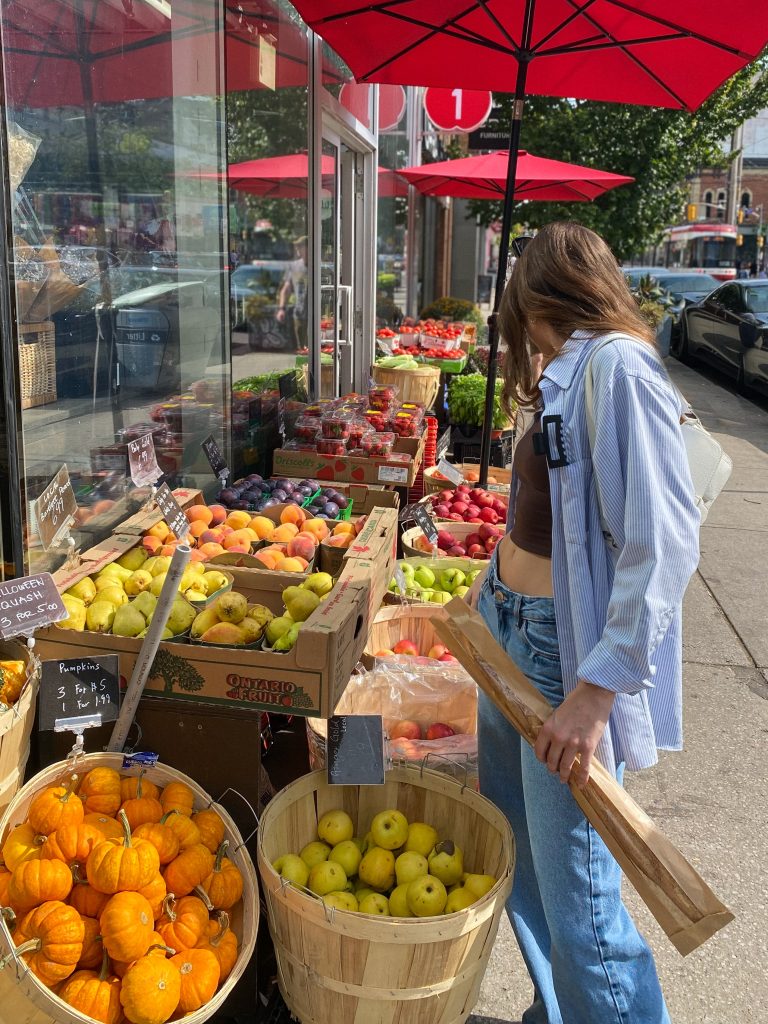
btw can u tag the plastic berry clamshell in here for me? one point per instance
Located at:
(336, 425)
(331, 446)
(382, 396)
(378, 445)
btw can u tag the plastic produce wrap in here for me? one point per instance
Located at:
(22, 150)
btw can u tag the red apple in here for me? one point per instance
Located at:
(457, 551)
(449, 659)
(485, 500)
(473, 538)
(445, 539)
(476, 551)
(489, 516)
(491, 543)
(500, 508)
(405, 731)
(446, 496)
(442, 510)
(463, 489)
(473, 520)
(437, 651)
(476, 492)
(460, 507)
(439, 730)
(456, 517)
(486, 530)
(406, 647)
(472, 512)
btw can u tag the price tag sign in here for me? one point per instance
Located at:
(172, 512)
(142, 461)
(54, 510)
(425, 523)
(355, 750)
(281, 416)
(74, 688)
(443, 443)
(450, 472)
(287, 385)
(393, 474)
(215, 458)
(29, 603)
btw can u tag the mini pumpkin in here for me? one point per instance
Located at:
(100, 792)
(185, 830)
(109, 827)
(120, 865)
(54, 807)
(224, 885)
(154, 893)
(200, 972)
(190, 868)
(5, 881)
(39, 881)
(71, 844)
(95, 995)
(184, 924)
(129, 787)
(86, 900)
(142, 808)
(222, 942)
(22, 843)
(164, 840)
(210, 827)
(13, 676)
(151, 990)
(156, 948)
(126, 926)
(50, 939)
(93, 948)
(177, 796)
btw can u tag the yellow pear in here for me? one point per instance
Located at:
(115, 595)
(398, 905)
(116, 571)
(421, 838)
(137, 581)
(182, 616)
(252, 629)
(226, 634)
(198, 568)
(133, 559)
(319, 583)
(300, 603)
(76, 617)
(341, 901)
(160, 564)
(478, 885)
(260, 613)
(375, 904)
(231, 607)
(146, 604)
(99, 616)
(196, 597)
(377, 869)
(315, 853)
(128, 621)
(157, 583)
(212, 581)
(85, 589)
(459, 899)
(188, 580)
(203, 622)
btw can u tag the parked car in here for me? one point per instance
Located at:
(729, 329)
(635, 274)
(258, 283)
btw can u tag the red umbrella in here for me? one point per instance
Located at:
(285, 177)
(485, 177)
(649, 52)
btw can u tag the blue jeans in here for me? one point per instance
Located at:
(587, 961)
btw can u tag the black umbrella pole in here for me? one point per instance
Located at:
(501, 272)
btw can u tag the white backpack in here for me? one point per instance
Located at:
(710, 466)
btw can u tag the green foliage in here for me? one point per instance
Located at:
(448, 309)
(654, 301)
(659, 148)
(466, 401)
(387, 282)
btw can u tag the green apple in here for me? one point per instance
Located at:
(407, 569)
(315, 853)
(440, 597)
(421, 839)
(460, 591)
(424, 595)
(409, 866)
(459, 899)
(426, 896)
(472, 576)
(335, 827)
(424, 576)
(398, 904)
(446, 862)
(375, 903)
(326, 877)
(389, 829)
(348, 854)
(452, 578)
(292, 868)
(341, 900)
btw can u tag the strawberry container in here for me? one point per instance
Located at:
(331, 446)
(378, 445)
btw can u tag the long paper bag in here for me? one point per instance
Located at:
(677, 896)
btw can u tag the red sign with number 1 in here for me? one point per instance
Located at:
(457, 110)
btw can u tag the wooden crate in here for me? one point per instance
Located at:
(16, 723)
(37, 364)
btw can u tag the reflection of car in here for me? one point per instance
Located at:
(253, 292)
(729, 329)
(635, 274)
(686, 289)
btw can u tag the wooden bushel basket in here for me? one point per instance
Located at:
(16, 723)
(338, 967)
(419, 385)
(24, 999)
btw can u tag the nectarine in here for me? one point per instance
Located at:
(302, 545)
(151, 544)
(293, 565)
(262, 527)
(317, 527)
(293, 514)
(344, 528)
(286, 532)
(199, 514)
(197, 528)
(210, 550)
(219, 514)
(212, 536)
(238, 519)
(160, 530)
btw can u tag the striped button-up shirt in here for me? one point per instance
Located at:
(618, 600)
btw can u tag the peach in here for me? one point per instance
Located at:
(344, 528)
(160, 530)
(151, 544)
(199, 514)
(226, 529)
(218, 513)
(302, 546)
(285, 532)
(293, 514)
(238, 538)
(241, 548)
(238, 519)
(210, 550)
(293, 565)
(167, 549)
(262, 527)
(197, 529)
(282, 548)
(316, 527)
(270, 559)
(214, 536)
(196, 555)
(341, 540)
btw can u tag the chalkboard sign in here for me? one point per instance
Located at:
(54, 509)
(172, 513)
(287, 385)
(142, 461)
(79, 688)
(355, 750)
(214, 456)
(443, 443)
(417, 513)
(28, 603)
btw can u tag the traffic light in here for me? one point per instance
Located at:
(691, 212)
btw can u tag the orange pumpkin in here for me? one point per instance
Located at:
(224, 885)
(71, 844)
(164, 840)
(222, 942)
(100, 792)
(5, 881)
(129, 787)
(156, 948)
(151, 990)
(190, 868)
(177, 796)
(109, 827)
(210, 827)
(22, 843)
(200, 972)
(154, 893)
(184, 924)
(93, 949)
(185, 830)
(126, 926)
(39, 881)
(120, 865)
(50, 939)
(54, 807)
(94, 995)
(86, 900)
(142, 808)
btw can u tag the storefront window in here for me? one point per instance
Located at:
(391, 284)
(114, 117)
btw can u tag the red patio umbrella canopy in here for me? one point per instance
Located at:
(485, 177)
(285, 177)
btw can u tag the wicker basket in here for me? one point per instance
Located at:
(26, 1000)
(341, 966)
(16, 723)
(459, 530)
(419, 385)
(37, 364)
(503, 477)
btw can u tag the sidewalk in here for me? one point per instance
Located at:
(711, 799)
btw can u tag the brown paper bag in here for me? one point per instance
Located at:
(674, 892)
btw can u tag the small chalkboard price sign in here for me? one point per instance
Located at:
(28, 603)
(418, 514)
(172, 513)
(55, 509)
(215, 458)
(443, 443)
(355, 750)
(142, 461)
(74, 688)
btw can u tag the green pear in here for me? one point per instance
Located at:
(182, 616)
(133, 559)
(146, 602)
(300, 603)
(85, 589)
(277, 628)
(128, 621)
(76, 617)
(99, 616)
(115, 595)
(287, 640)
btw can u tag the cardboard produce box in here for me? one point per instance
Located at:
(365, 498)
(353, 469)
(145, 518)
(372, 557)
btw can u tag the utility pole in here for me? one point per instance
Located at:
(733, 201)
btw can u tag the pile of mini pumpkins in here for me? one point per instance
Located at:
(119, 894)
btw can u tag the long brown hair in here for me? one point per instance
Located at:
(568, 278)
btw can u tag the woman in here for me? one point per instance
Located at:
(592, 619)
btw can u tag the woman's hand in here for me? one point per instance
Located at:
(574, 729)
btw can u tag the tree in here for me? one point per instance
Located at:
(660, 148)
(176, 671)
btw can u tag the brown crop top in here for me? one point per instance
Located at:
(533, 503)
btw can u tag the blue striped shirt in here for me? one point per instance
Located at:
(618, 602)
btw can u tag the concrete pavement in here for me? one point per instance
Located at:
(712, 798)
